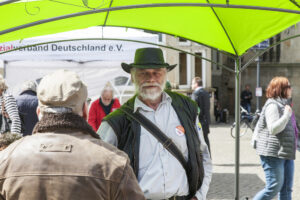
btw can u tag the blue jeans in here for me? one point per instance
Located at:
(279, 178)
(247, 106)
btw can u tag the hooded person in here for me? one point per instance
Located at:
(64, 158)
(27, 103)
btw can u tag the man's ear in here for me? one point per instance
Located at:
(85, 111)
(38, 111)
(132, 78)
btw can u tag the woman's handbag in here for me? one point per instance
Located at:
(5, 120)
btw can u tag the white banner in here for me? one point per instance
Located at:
(83, 50)
(94, 74)
(96, 61)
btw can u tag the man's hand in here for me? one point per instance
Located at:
(194, 198)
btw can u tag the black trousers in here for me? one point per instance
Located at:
(205, 135)
(205, 130)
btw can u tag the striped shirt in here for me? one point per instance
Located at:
(11, 108)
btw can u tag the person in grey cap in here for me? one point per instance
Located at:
(160, 132)
(27, 103)
(64, 159)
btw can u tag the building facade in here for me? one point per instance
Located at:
(281, 60)
(188, 66)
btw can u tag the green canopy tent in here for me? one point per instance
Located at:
(232, 26)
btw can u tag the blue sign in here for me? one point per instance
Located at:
(263, 45)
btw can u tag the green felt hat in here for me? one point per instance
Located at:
(148, 58)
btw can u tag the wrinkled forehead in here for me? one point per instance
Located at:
(163, 69)
(107, 94)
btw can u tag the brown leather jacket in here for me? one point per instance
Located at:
(66, 165)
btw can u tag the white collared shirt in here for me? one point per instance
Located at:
(161, 175)
(198, 88)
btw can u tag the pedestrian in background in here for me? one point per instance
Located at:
(275, 139)
(203, 100)
(8, 107)
(27, 103)
(65, 159)
(246, 97)
(102, 106)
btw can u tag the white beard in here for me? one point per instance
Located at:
(152, 93)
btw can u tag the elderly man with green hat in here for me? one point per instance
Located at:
(160, 132)
(64, 159)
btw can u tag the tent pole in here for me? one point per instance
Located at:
(237, 125)
(4, 68)
(258, 83)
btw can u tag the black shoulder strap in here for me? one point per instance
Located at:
(157, 133)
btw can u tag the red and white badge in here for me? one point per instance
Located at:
(180, 130)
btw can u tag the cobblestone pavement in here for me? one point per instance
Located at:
(251, 174)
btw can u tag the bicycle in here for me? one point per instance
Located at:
(248, 121)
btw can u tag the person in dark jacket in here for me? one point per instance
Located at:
(27, 103)
(203, 100)
(246, 97)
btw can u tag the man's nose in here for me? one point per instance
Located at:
(150, 77)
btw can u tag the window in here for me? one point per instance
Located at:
(264, 57)
(182, 40)
(198, 65)
(271, 51)
(161, 37)
(182, 69)
(278, 37)
(121, 80)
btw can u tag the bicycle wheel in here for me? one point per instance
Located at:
(243, 129)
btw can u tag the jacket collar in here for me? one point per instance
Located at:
(280, 100)
(29, 92)
(198, 88)
(52, 122)
(139, 104)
